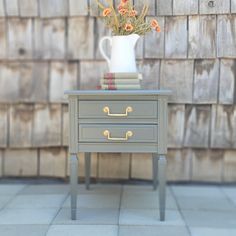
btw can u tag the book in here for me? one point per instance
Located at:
(119, 87)
(119, 81)
(123, 76)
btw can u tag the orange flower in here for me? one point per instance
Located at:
(123, 11)
(124, 1)
(128, 27)
(154, 23)
(158, 29)
(133, 13)
(106, 12)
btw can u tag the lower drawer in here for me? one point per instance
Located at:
(118, 133)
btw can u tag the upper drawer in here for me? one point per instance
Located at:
(118, 109)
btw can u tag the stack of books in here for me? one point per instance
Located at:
(120, 81)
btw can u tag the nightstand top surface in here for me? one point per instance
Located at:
(118, 92)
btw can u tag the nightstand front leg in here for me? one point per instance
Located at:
(162, 185)
(73, 184)
(87, 157)
(154, 170)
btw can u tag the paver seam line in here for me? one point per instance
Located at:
(49, 225)
(227, 197)
(180, 211)
(121, 197)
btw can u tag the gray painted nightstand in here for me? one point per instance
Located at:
(118, 121)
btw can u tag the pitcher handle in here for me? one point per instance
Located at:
(102, 51)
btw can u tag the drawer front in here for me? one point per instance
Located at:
(118, 133)
(118, 109)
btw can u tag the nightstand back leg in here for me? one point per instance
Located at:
(73, 184)
(154, 170)
(87, 157)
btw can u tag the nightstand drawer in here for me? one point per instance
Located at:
(118, 133)
(117, 109)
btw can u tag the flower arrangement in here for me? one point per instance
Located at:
(125, 20)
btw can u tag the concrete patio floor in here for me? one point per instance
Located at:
(114, 209)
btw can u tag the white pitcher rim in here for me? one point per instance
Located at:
(124, 35)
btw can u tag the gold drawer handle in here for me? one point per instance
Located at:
(128, 134)
(127, 110)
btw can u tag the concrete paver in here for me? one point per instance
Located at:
(83, 230)
(117, 210)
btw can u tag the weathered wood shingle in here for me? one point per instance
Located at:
(52, 162)
(91, 73)
(227, 93)
(21, 125)
(81, 38)
(176, 120)
(206, 79)
(223, 126)
(12, 7)
(28, 8)
(150, 70)
(20, 38)
(154, 42)
(140, 3)
(164, 7)
(2, 10)
(202, 37)
(176, 37)
(185, 7)
(49, 38)
(4, 125)
(63, 76)
(207, 165)
(9, 82)
(20, 162)
(78, 8)
(3, 39)
(197, 126)
(53, 8)
(48, 132)
(233, 6)
(214, 7)
(226, 36)
(229, 173)
(177, 75)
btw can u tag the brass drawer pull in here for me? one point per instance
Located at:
(127, 110)
(128, 134)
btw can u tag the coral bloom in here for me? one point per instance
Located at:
(158, 29)
(154, 23)
(106, 12)
(128, 27)
(123, 11)
(133, 13)
(124, 1)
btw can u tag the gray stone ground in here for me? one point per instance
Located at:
(114, 209)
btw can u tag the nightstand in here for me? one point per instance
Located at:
(131, 121)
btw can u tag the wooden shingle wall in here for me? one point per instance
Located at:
(47, 46)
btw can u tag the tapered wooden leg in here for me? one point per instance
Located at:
(162, 185)
(73, 184)
(154, 170)
(87, 157)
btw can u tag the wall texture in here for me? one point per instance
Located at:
(47, 46)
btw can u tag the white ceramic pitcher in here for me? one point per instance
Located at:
(122, 52)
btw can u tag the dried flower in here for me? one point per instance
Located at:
(158, 29)
(123, 11)
(106, 12)
(154, 23)
(129, 27)
(125, 20)
(133, 13)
